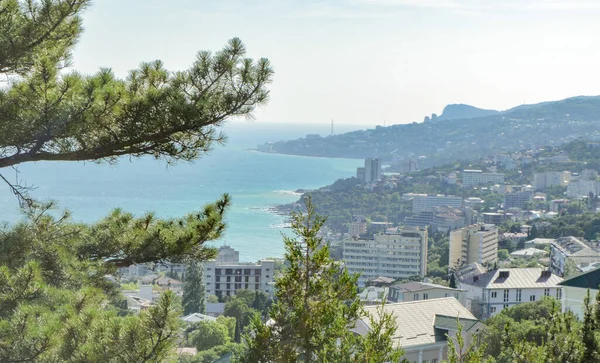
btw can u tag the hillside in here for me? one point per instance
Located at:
(525, 126)
(462, 111)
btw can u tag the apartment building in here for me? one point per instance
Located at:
(398, 254)
(550, 178)
(517, 199)
(474, 243)
(574, 249)
(491, 292)
(582, 188)
(472, 178)
(424, 202)
(225, 275)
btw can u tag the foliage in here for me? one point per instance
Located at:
(238, 308)
(56, 303)
(193, 289)
(316, 304)
(208, 334)
(211, 355)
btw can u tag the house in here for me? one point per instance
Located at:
(414, 291)
(491, 292)
(575, 289)
(214, 309)
(571, 249)
(528, 253)
(197, 317)
(423, 327)
(373, 295)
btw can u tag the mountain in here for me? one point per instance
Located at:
(462, 111)
(521, 127)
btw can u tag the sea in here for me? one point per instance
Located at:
(255, 180)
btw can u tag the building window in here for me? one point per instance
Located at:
(494, 294)
(493, 309)
(256, 278)
(415, 296)
(218, 278)
(267, 276)
(257, 271)
(546, 292)
(238, 271)
(217, 286)
(208, 268)
(506, 292)
(228, 286)
(425, 296)
(217, 271)
(519, 292)
(238, 279)
(256, 287)
(558, 294)
(246, 271)
(268, 269)
(228, 278)
(532, 298)
(505, 306)
(208, 283)
(208, 276)
(246, 286)
(228, 271)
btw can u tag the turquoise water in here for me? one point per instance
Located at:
(255, 181)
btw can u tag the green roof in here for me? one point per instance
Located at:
(448, 322)
(585, 280)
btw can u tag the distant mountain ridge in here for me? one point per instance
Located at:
(462, 132)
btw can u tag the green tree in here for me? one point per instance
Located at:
(588, 337)
(209, 334)
(316, 304)
(193, 289)
(55, 302)
(238, 308)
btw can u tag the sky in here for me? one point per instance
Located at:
(367, 62)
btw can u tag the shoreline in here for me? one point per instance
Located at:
(305, 156)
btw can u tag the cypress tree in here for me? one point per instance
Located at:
(193, 289)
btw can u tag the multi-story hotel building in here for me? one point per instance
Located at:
(475, 243)
(398, 254)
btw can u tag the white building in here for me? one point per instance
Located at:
(372, 170)
(575, 289)
(472, 178)
(423, 327)
(571, 248)
(491, 292)
(474, 243)
(550, 178)
(582, 188)
(358, 226)
(398, 254)
(414, 291)
(225, 275)
(421, 203)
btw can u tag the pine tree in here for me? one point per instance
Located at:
(56, 303)
(588, 337)
(452, 282)
(193, 289)
(315, 306)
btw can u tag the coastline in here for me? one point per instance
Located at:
(304, 156)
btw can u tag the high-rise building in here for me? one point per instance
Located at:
(517, 199)
(398, 254)
(360, 174)
(474, 243)
(372, 170)
(225, 275)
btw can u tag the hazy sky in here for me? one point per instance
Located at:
(366, 61)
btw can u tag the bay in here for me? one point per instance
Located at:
(255, 181)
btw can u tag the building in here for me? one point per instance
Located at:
(372, 170)
(399, 254)
(225, 275)
(491, 292)
(414, 291)
(556, 205)
(550, 178)
(582, 188)
(572, 249)
(473, 178)
(360, 174)
(575, 289)
(517, 199)
(494, 218)
(425, 202)
(372, 295)
(424, 327)
(474, 243)
(358, 226)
